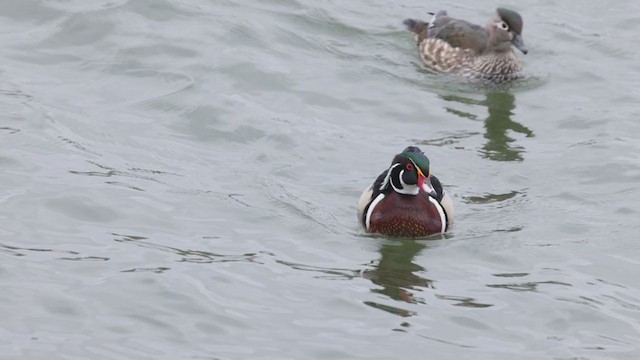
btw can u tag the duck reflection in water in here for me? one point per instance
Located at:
(499, 145)
(395, 273)
(396, 276)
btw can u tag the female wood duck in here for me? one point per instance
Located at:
(406, 200)
(448, 45)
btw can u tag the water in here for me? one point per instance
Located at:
(180, 178)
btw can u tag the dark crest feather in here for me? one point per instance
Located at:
(418, 157)
(512, 18)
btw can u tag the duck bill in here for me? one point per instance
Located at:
(425, 184)
(519, 43)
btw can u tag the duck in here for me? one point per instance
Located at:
(454, 46)
(406, 200)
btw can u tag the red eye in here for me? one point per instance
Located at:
(410, 167)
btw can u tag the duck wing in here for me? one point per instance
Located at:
(458, 33)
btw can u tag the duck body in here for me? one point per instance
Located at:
(406, 203)
(449, 45)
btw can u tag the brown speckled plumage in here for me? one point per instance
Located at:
(406, 216)
(448, 45)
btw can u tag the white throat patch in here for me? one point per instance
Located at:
(406, 189)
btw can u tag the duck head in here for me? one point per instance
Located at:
(505, 30)
(409, 172)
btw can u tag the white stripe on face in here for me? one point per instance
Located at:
(387, 178)
(406, 188)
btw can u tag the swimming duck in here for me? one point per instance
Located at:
(448, 45)
(406, 200)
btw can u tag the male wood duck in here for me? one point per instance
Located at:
(448, 45)
(406, 200)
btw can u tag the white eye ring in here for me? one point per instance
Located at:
(502, 25)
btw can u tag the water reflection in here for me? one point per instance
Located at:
(499, 145)
(396, 276)
(396, 271)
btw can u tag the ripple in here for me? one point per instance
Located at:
(14, 103)
(9, 130)
(298, 206)
(449, 139)
(464, 301)
(57, 254)
(79, 30)
(390, 309)
(447, 342)
(328, 273)
(82, 208)
(140, 87)
(157, 270)
(526, 286)
(493, 198)
(84, 6)
(150, 175)
(187, 255)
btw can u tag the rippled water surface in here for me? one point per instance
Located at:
(179, 180)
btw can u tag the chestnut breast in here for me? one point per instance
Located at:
(402, 215)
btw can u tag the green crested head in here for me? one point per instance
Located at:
(415, 156)
(418, 157)
(408, 172)
(512, 18)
